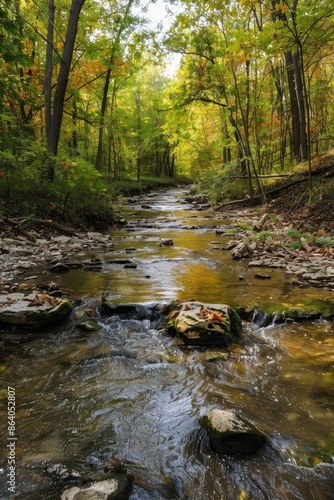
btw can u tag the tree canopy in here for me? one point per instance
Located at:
(85, 98)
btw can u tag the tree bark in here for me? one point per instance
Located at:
(98, 159)
(293, 105)
(62, 81)
(301, 105)
(48, 69)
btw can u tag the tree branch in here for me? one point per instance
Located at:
(190, 53)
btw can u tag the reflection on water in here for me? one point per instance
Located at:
(128, 389)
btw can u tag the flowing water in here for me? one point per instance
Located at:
(133, 391)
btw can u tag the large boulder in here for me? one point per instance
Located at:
(230, 433)
(204, 324)
(36, 309)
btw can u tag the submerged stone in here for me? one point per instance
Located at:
(280, 312)
(204, 324)
(230, 433)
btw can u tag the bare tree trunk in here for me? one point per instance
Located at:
(48, 69)
(103, 112)
(293, 105)
(301, 106)
(62, 81)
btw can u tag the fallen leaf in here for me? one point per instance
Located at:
(173, 314)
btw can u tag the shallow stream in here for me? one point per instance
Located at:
(133, 391)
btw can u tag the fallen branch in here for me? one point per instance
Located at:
(294, 254)
(249, 201)
(45, 223)
(256, 199)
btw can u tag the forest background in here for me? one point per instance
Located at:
(88, 108)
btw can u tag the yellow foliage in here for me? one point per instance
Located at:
(243, 495)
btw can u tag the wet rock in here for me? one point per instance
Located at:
(199, 198)
(92, 268)
(204, 324)
(268, 313)
(33, 309)
(119, 261)
(89, 325)
(101, 490)
(98, 236)
(230, 433)
(121, 222)
(84, 321)
(59, 268)
(131, 311)
(50, 286)
(166, 243)
(62, 472)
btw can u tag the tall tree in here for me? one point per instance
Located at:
(62, 81)
(121, 24)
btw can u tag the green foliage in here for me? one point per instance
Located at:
(292, 233)
(217, 182)
(324, 242)
(295, 245)
(245, 226)
(264, 236)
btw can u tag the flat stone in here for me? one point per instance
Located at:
(62, 239)
(34, 309)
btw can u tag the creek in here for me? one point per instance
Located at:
(133, 391)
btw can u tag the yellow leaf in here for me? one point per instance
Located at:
(243, 495)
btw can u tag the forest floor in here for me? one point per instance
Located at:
(294, 206)
(290, 200)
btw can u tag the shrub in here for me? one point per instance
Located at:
(292, 233)
(324, 242)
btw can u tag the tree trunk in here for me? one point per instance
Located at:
(48, 69)
(293, 104)
(301, 105)
(103, 112)
(62, 81)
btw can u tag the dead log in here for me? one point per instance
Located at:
(45, 223)
(244, 201)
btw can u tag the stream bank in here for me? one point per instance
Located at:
(35, 261)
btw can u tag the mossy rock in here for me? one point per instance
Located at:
(228, 432)
(204, 324)
(276, 312)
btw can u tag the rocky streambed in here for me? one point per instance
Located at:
(137, 393)
(31, 263)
